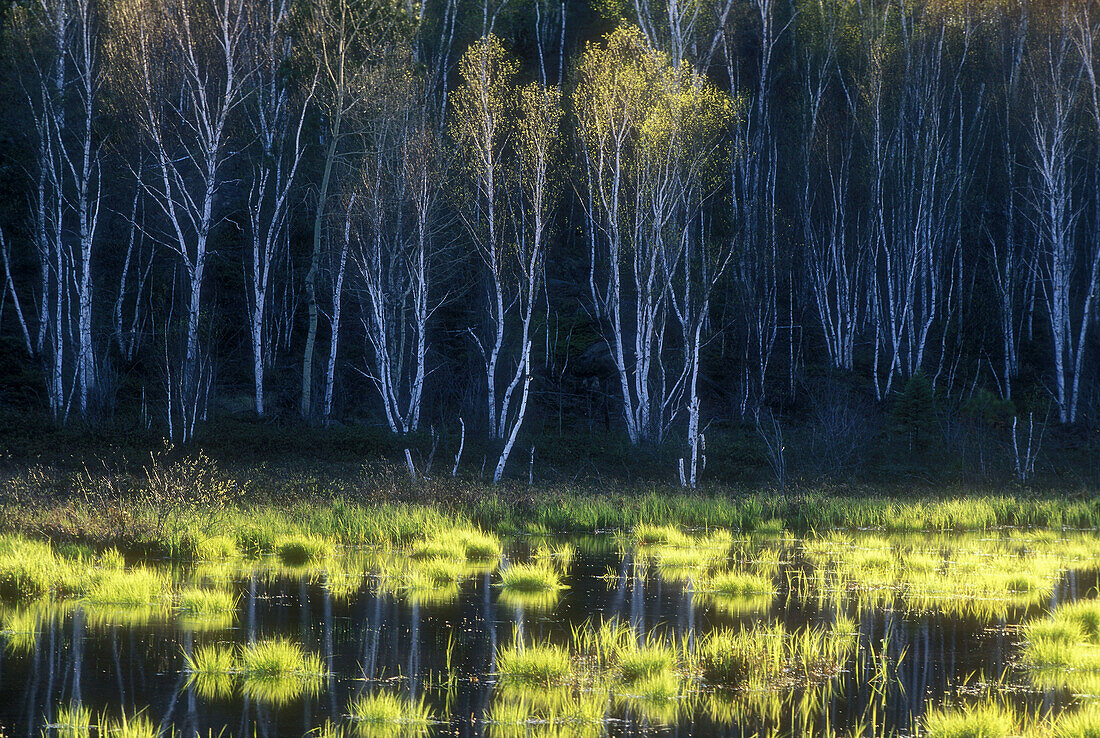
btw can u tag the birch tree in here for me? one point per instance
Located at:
(644, 125)
(276, 115)
(1058, 76)
(350, 39)
(181, 66)
(63, 42)
(401, 181)
(512, 249)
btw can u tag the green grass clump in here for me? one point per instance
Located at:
(767, 656)
(480, 546)
(112, 558)
(277, 658)
(212, 659)
(535, 577)
(536, 665)
(645, 662)
(28, 569)
(436, 573)
(136, 726)
(463, 544)
(729, 657)
(1080, 723)
(658, 535)
(255, 540)
(214, 548)
(74, 721)
(977, 721)
(134, 587)
(198, 601)
(1083, 613)
(736, 584)
(383, 708)
(302, 550)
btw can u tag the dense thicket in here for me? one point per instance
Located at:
(524, 214)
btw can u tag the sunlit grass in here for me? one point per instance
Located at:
(735, 584)
(973, 721)
(134, 726)
(384, 708)
(301, 550)
(212, 659)
(198, 601)
(770, 656)
(133, 587)
(73, 721)
(530, 578)
(1083, 722)
(279, 657)
(645, 662)
(537, 665)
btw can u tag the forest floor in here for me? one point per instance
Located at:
(351, 484)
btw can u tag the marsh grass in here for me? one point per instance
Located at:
(134, 726)
(735, 584)
(545, 664)
(988, 720)
(278, 657)
(301, 550)
(73, 721)
(28, 569)
(274, 671)
(769, 656)
(645, 662)
(133, 587)
(536, 577)
(385, 708)
(1084, 722)
(212, 659)
(200, 601)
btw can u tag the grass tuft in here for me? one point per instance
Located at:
(536, 665)
(535, 577)
(383, 708)
(976, 721)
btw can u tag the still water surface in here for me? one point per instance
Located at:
(913, 654)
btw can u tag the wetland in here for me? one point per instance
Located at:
(439, 626)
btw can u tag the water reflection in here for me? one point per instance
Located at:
(402, 645)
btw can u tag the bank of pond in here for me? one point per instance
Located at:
(454, 630)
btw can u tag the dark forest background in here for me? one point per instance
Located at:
(732, 240)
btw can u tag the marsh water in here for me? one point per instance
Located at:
(913, 652)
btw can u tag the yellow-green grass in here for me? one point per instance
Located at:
(1083, 722)
(73, 721)
(989, 720)
(300, 550)
(212, 659)
(200, 601)
(558, 555)
(134, 726)
(735, 584)
(545, 664)
(536, 577)
(385, 708)
(770, 656)
(132, 587)
(279, 657)
(638, 663)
